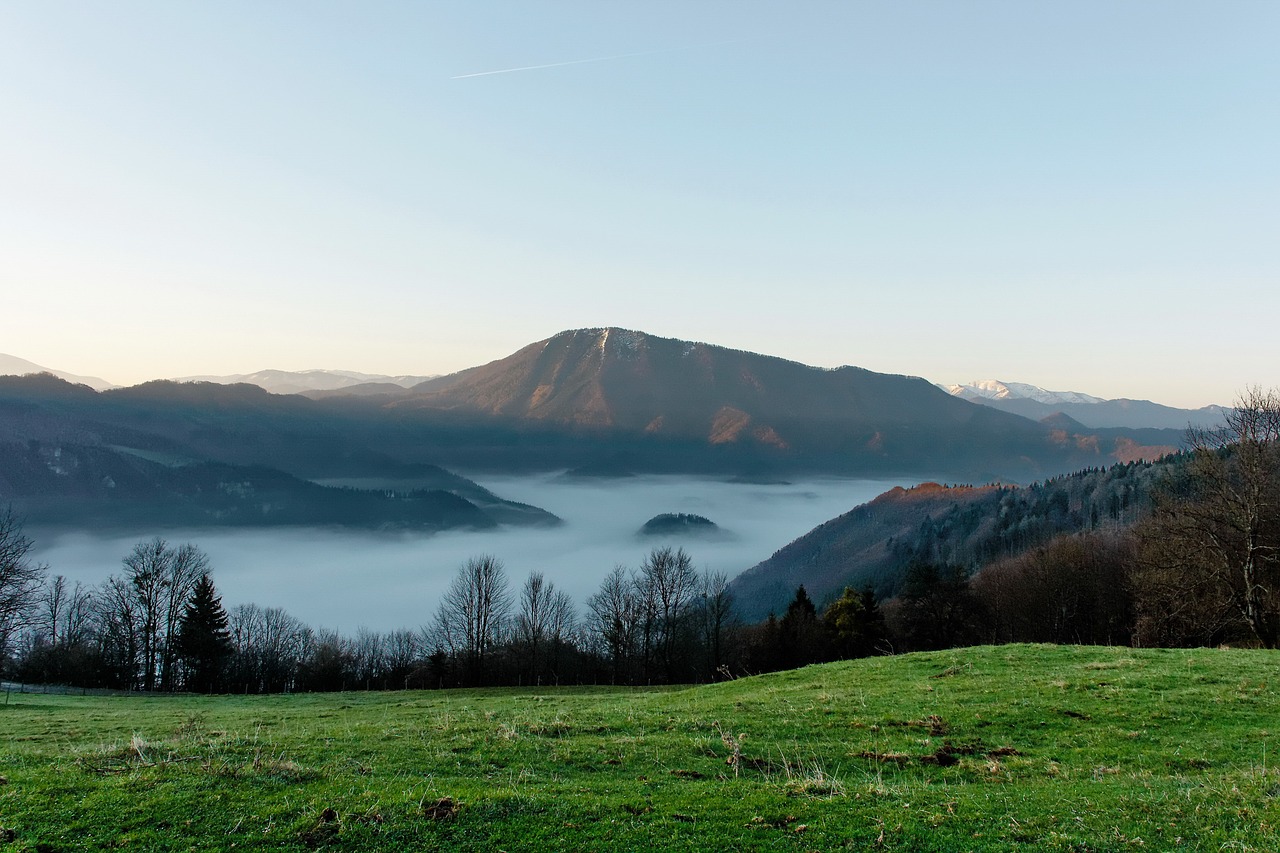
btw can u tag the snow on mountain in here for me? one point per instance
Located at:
(1032, 401)
(994, 389)
(11, 365)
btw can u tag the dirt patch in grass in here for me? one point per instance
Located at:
(323, 833)
(936, 725)
(445, 808)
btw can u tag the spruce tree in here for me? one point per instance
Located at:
(204, 640)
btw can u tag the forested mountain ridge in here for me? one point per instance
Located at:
(210, 455)
(965, 526)
(86, 486)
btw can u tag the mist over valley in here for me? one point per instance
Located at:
(345, 579)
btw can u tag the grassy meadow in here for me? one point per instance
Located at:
(992, 748)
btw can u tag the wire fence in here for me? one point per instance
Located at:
(11, 688)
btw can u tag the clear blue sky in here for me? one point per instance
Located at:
(1080, 195)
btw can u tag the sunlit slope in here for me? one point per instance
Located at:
(872, 544)
(1004, 748)
(646, 392)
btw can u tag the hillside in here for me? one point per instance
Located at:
(873, 544)
(982, 749)
(210, 455)
(661, 403)
(85, 486)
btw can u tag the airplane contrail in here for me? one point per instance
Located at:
(584, 61)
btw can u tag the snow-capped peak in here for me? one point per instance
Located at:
(994, 389)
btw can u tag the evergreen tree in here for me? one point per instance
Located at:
(800, 633)
(937, 609)
(204, 639)
(855, 624)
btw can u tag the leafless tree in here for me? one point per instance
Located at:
(1215, 534)
(614, 617)
(19, 579)
(64, 613)
(119, 631)
(402, 650)
(667, 585)
(544, 621)
(473, 614)
(715, 615)
(368, 657)
(162, 579)
(269, 647)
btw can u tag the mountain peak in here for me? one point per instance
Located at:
(996, 389)
(650, 393)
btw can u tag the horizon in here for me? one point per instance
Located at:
(1079, 197)
(341, 370)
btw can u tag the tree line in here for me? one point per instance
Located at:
(1199, 566)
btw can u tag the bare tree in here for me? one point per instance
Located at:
(472, 615)
(119, 631)
(19, 579)
(162, 579)
(187, 565)
(64, 613)
(368, 657)
(667, 584)
(716, 618)
(402, 650)
(1215, 534)
(270, 646)
(544, 621)
(614, 621)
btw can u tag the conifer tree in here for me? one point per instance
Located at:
(204, 639)
(801, 635)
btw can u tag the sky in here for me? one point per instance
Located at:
(1079, 195)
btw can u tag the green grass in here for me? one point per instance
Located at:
(1004, 748)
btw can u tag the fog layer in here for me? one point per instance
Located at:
(343, 580)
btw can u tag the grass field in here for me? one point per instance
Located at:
(994, 748)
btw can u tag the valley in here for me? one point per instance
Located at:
(346, 579)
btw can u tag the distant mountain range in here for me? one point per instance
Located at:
(1036, 403)
(303, 381)
(1030, 401)
(11, 365)
(597, 402)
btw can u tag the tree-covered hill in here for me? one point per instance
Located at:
(956, 525)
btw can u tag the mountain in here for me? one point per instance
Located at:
(202, 454)
(302, 381)
(1036, 403)
(594, 402)
(11, 365)
(93, 486)
(611, 400)
(967, 526)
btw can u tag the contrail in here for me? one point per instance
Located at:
(584, 61)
